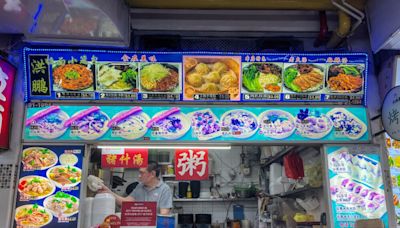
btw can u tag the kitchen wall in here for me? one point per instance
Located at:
(227, 173)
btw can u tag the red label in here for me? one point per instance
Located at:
(112, 221)
(7, 74)
(191, 164)
(124, 158)
(139, 214)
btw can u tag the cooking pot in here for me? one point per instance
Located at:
(245, 191)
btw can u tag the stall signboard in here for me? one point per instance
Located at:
(124, 158)
(391, 113)
(393, 148)
(191, 164)
(138, 214)
(190, 77)
(193, 124)
(7, 74)
(49, 186)
(356, 187)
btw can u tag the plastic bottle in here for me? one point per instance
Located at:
(189, 193)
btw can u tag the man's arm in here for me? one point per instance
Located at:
(166, 201)
(119, 199)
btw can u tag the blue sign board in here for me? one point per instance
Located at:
(222, 124)
(76, 74)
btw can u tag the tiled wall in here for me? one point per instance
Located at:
(224, 162)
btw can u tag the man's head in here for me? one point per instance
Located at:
(147, 175)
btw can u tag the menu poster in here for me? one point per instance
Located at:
(49, 186)
(168, 123)
(393, 148)
(355, 184)
(192, 77)
(138, 214)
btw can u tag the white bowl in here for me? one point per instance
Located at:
(42, 179)
(66, 185)
(40, 148)
(185, 126)
(138, 134)
(241, 136)
(40, 208)
(48, 199)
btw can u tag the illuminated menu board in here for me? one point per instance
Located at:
(66, 74)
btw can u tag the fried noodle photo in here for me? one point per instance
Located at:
(73, 77)
(260, 77)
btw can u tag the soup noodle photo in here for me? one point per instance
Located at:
(32, 215)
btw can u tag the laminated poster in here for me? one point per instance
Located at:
(393, 148)
(356, 185)
(49, 186)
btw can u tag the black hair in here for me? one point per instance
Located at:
(153, 166)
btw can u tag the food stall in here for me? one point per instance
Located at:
(85, 107)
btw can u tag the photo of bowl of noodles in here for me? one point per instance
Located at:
(64, 176)
(160, 77)
(211, 75)
(73, 77)
(32, 215)
(62, 204)
(35, 187)
(344, 78)
(262, 78)
(38, 158)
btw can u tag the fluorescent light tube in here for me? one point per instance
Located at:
(167, 147)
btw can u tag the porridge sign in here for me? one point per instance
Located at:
(7, 73)
(391, 113)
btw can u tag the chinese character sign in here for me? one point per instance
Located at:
(391, 113)
(124, 158)
(7, 72)
(191, 164)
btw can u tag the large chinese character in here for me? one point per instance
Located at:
(191, 161)
(111, 158)
(394, 116)
(138, 159)
(39, 86)
(125, 159)
(38, 66)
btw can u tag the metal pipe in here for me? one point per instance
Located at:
(342, 30)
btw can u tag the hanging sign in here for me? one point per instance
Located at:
(192, 77)
(124, 158)
(7, 74)
(138, 214)
(391, 113)
(188, 123)
(191, 164)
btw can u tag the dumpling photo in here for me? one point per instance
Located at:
(211, 75)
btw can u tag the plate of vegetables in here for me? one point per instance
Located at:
(262, 78)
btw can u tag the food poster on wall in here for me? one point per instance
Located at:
(195, 76)
(49, 186)
(356, 184)
(197, 123)
(393, 148)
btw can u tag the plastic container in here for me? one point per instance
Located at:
(103, 206)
